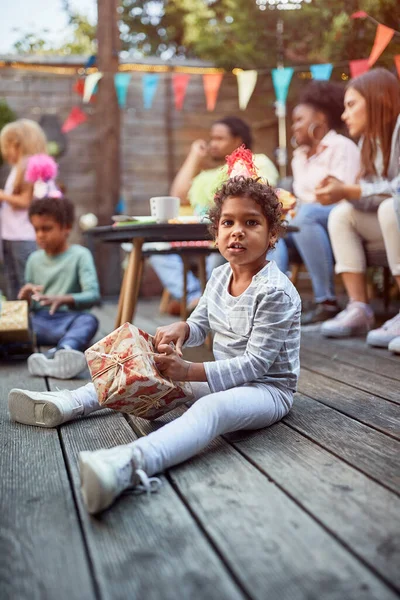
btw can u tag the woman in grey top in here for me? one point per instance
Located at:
(371, 210)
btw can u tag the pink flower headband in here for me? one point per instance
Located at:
(41, 170)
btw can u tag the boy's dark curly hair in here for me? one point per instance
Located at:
(246, 187)
(328, 97)
(61, 209)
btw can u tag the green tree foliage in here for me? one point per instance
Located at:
(7, 115)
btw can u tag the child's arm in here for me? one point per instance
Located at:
(171, 364)
(176, 333)
(88, 282)
(54, 301)
(19, 201)
(28, 290)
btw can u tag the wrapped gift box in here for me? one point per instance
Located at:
(14, 322)
(126, 378)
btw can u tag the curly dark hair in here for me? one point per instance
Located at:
(246, 187)
(328, 97)
(61, 209)
(238, 128)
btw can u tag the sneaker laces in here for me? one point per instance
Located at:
(147, 484)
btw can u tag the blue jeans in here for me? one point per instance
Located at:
(15, 255)
(169, 268)
(64, 328)
(314, 247)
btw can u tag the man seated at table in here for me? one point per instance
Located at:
(198, 178)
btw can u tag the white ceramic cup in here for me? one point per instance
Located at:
(164, 208)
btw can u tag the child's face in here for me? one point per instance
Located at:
(243, 233)
(50, 235)
(11, 153)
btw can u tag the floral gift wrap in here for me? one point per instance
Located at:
(126, 378)
(14, 321)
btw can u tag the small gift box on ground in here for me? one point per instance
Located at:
(126, 378)
(14, 322)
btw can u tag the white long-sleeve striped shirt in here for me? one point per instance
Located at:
(257, 334)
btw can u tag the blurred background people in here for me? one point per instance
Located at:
(372, 113)
(321, 151)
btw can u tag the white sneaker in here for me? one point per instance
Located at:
(44, 409)
(66, 364)
(356, 319)
(394, 345)
(105, 474)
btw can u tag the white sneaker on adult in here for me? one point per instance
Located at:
(105, 474)
(356, 319)
(66, 364)
(394, 345)
(44, 409)
(382, 336)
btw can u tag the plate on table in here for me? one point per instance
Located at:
(128, 220)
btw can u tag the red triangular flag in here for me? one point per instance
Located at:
(397, 63)
(211, 83)
(360, 14)
(180, 82)
(358, 67)
(75, 118)
(382, 38)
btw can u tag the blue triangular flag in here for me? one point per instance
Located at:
(150, 82)
(281, 79)
(321, 72)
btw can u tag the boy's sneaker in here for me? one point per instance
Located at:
(394, 345)
(382, 336)
(356, 319)
(44, 409)
(66, 364)
(105, 474)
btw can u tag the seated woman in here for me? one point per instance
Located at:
(372, 111)
(321, 152)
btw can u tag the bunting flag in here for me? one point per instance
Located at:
(90, 83)
(358, 67)
(397, 63)
(179, 83)
(75, 118)
(321, 72)
(281, 79)
(91, 61)
(149, 87)
(121, 82)
(211, 83)
(382, 38)
(246, 81)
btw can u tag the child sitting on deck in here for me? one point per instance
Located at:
(254, 312)
(61, 281)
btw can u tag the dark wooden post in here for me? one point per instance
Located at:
(108, 170)
(108, 174)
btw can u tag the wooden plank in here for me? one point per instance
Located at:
(143, 547)
(374, 383)
(366, 408)
(354, 352)
(275, 549)
(42, 549)
(361, 513)
(369, 451)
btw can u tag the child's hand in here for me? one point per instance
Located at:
(171, 364)
(177, 333)
(53, 301)
(27, 290)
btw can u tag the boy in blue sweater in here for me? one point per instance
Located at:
(61, 284)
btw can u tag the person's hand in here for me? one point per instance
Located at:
(53, 301)
(199, 149)
(28, 289)
(177, 333)
(329, 190)
(170, 363)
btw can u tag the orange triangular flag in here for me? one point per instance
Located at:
(397, 63)
(211, 83)
(383, 36)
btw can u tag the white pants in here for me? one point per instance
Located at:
(350, 228)
(251, 406)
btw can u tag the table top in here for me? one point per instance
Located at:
(155, 232)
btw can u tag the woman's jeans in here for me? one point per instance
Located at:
(313, 244)
(250, 406)
(169, 268)
(15, 255)
(64, 329)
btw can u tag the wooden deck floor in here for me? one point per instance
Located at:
(308, 509)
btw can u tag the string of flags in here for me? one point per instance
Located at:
(246, 80)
